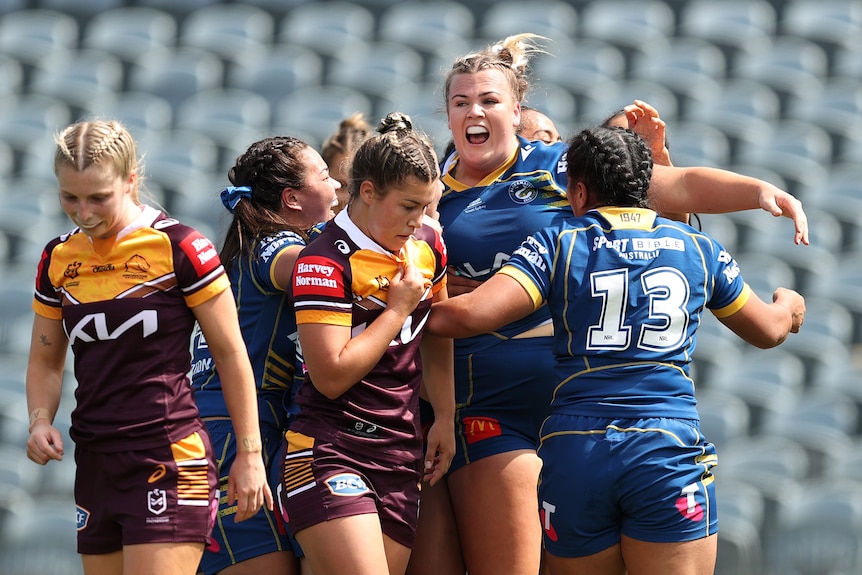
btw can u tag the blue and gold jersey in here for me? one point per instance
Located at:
(483, 224)
(125, 303)
(268, 328)
(342, 278)
(626, 289)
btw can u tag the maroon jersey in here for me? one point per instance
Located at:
(125, 305)
(342, 278)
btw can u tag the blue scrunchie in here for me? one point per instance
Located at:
(230, 196)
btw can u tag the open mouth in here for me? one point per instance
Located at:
(477, 135)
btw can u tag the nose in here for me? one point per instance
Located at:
(477, 110)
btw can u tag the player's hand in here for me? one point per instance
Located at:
(247, 485)
(458, 284)
(794, 302)
(45, 443)
(644, 120)
(439, 451)
(407, 288)
(780, 203)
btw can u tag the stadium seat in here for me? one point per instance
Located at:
(232, 119)
(738, 27)
(724, 418)
(327, 27)
(277, 72)
(716, 347)
(764, 272)
(799, 151)
(844, 287)
(581, 65)
(15, 306)
(739, 546)
(140, 112)
(774, 465)
(317, 110)
(11, 76)
(631, 25)
(743, 109)
(820, 531)
(604, 99)
(176, 74)
(34, 35)
(848, 62)
(835, 107)
(830, 23)
(46, 524)
(7, 162)
(822, 423)
(78, 77)
(427, 27)
(848, 467)
(793, 67)
(7, 6)
(175, 160)
(179, 9)
(767, 380)
(553, 19)
(556, 102)
(131, 32)
(687, 66)
(375, 68)
(235, 32)
(693, 143)
(81, 11)
(278, 8)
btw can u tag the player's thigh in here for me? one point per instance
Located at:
(360, 548)
(606, 562)
(437, 550)
(496, 505)
(275, 563)
(695, 557)
(162, 558)
(103, 563)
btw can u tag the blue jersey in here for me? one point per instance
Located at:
(626, 289)
(268, 328)
(483, 224)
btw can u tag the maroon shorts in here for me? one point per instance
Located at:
(160, 495)
(321, 482)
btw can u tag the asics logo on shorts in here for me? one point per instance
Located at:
(347, 485)
(158, 473)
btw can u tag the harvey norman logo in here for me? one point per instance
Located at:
(311, 274)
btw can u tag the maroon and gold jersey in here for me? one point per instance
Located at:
(342, 278)
(125, 305)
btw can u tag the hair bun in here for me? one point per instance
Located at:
(395, 121)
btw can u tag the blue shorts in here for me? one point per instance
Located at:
(165, 494)
(258, 535)
(502, 395)
(648, 479)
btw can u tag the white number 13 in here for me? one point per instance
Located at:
(668, 292)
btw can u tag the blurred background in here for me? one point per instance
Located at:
(769, 88)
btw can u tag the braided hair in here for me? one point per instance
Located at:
(396, 153)
(615, 165)
(511, 56)
(95, 143)
(267, 167)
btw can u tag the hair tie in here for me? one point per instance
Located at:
(230, 196)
